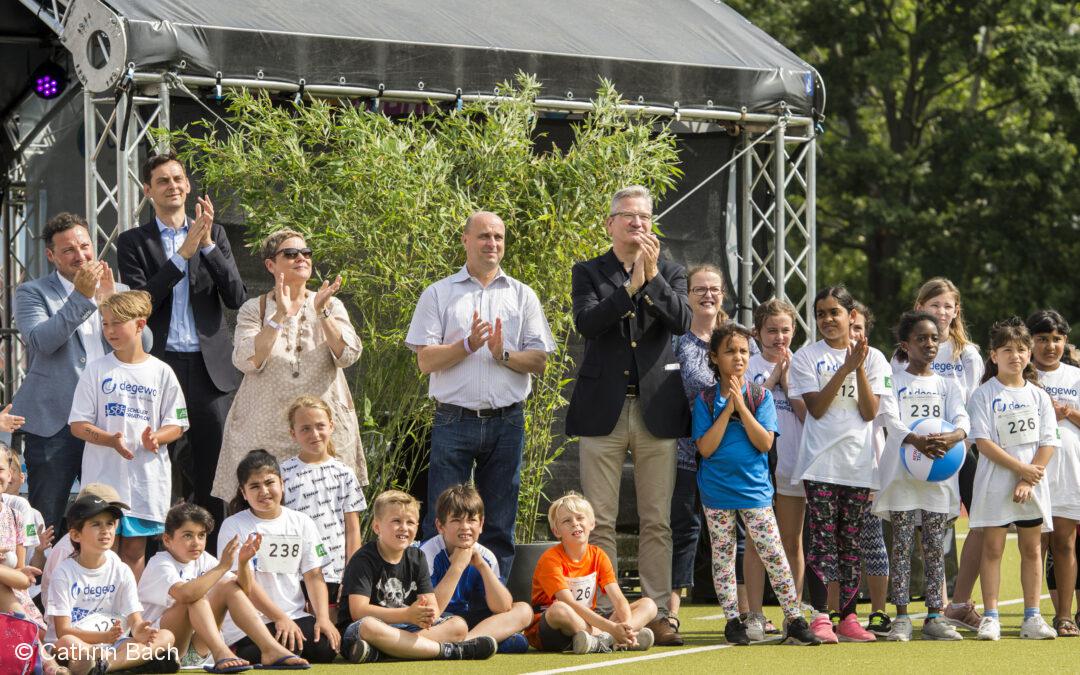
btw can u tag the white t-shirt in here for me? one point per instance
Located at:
(32, 523)
(1063, 471)
(61, 551)
(128, 397)
(161, 574)
(325, 492)
(837, 448)
(917, 398)
(787, 443)
(291, 547)
(93, 598)
(30, 518)
(967, 371)
(1019, 420)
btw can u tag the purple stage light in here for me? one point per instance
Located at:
(49, 80)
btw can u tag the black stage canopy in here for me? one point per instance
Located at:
(692, 52)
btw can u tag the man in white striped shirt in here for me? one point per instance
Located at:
(480, 334)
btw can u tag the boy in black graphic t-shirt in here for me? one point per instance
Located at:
(388, 604)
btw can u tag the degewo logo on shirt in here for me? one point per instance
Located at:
(824, 367)
(109, 385)
(999, 405)
(89, 591)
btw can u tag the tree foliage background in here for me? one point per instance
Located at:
(950, 148)
(382, 201)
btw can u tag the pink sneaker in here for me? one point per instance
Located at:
(850, 630)
(822, 629)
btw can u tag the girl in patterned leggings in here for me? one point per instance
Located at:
(841, 380)
(734, 427)
(907, 501)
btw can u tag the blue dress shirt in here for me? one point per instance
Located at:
(182, 336)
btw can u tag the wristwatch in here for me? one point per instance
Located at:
(506, 356)
(274, 324)
(326, 312)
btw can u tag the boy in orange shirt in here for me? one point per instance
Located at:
(565, 583)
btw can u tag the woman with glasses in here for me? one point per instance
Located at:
(706, 295)
(289, 342)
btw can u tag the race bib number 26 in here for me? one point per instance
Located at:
(583, 589)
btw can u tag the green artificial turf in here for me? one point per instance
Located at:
(1010, 655)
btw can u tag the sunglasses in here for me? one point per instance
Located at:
(291, 253)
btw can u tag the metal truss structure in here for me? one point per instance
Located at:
(778, 223)
(775, 182)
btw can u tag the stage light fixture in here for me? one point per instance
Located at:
(49, 80)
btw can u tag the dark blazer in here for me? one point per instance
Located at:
(215, 284)
(658, 311)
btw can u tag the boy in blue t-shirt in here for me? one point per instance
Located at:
(466, 575)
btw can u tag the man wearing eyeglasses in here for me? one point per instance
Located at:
(187, 266)
(481, 335)
(628, 396)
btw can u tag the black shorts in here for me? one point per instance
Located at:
(1033, 522)
(967, 477)
(552, 639)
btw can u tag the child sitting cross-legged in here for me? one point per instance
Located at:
(187, 591)
(565, 584)
(387, 604)
(93, 601)
(466, 574)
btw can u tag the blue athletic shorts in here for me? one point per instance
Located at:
(139, 527)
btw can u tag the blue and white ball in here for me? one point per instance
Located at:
(932, 470)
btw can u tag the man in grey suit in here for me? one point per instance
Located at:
(57, 316)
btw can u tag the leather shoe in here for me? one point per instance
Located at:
(665, 632)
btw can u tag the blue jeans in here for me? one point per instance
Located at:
(53, 464)
(494, 446)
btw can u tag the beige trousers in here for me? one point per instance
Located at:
(601, 461)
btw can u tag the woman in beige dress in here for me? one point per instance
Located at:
(289, 342)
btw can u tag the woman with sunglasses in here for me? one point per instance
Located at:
(290, 342)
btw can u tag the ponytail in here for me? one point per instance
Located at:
(1011, 330)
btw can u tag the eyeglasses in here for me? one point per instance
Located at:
(631, 215)
(291, 253)
(702, 291)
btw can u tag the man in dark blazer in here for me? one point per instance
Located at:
(628, 395)
(188, 268)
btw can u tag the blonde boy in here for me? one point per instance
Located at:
(565, 583)
(127, 407)
(388, 604)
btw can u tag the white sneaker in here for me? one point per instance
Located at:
(989, 628)
(939, 629)
(755, 627)
(645, 640)
(900, 631)
(585, 642)
(1035, 628)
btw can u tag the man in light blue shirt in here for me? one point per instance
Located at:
(187, 266)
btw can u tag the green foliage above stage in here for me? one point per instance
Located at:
(951, 148)
(383, 201)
